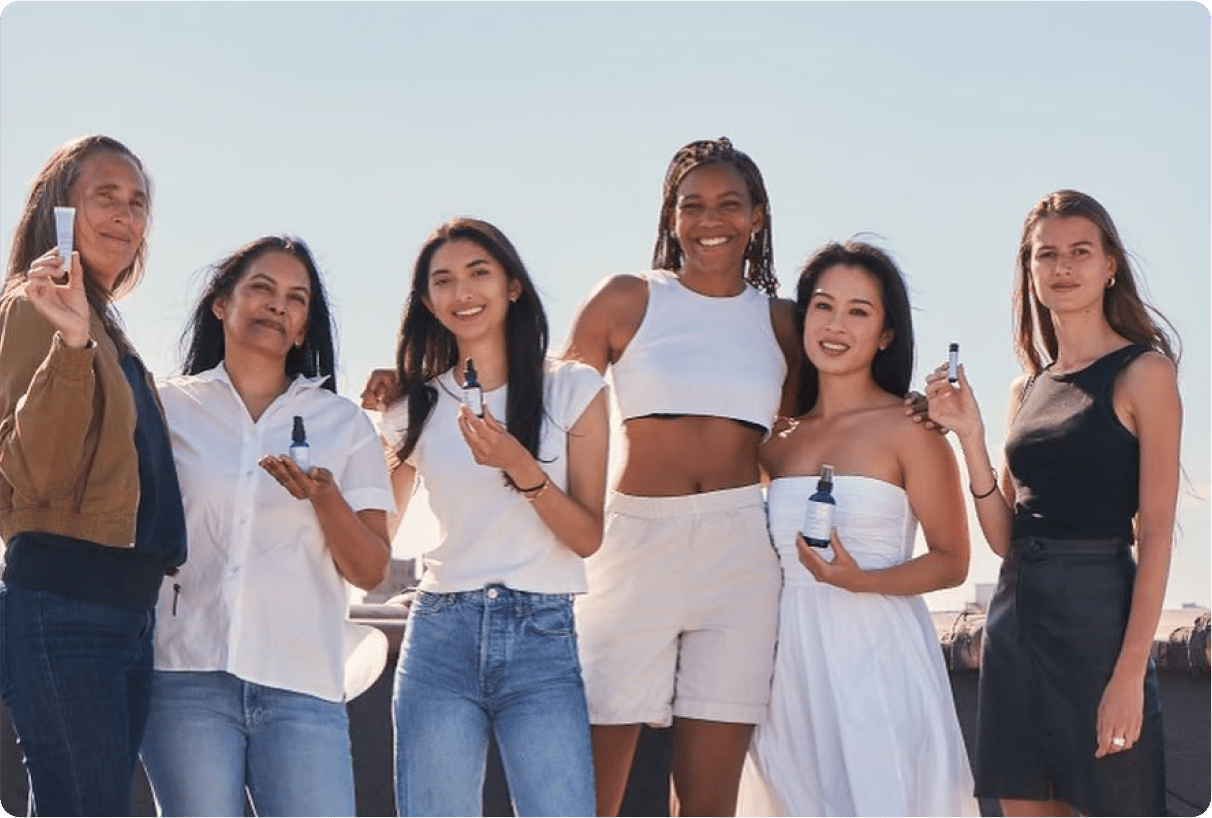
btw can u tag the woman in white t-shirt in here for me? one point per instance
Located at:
(518, 493)
(248, 690)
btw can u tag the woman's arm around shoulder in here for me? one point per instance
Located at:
(936, 496)
(608, 320)
(782, 318)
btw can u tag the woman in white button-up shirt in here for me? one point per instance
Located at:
(248, 690)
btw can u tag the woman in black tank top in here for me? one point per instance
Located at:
(1068, 713)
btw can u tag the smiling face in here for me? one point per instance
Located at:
(111, 201)
(714, 217)
(844, 324)
(1070, 270)
(468, 290)
(266, 311)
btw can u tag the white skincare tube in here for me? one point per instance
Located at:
(65, 227)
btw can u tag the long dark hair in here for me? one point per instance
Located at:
(202, 344)
(1125, 311)
(892, 367)
(667, 253)
(35, 231)
(426, 349)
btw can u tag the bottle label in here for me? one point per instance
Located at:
(474, 398)
(818, 521)
(302, 456)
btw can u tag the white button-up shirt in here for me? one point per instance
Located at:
(260, 596)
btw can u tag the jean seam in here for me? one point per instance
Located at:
(53, 692)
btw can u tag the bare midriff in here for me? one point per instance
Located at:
(671, 456)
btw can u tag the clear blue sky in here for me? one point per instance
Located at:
(360, 126)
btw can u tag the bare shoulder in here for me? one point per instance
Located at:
(619, 289)
(1018, 385)
(608, 320)
(618, 301)
(911, 439)
(1150, 379)
(1151, 369)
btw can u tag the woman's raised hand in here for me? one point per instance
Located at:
(953, 406)
(63, 304)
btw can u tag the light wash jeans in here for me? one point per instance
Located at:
(76, 677)
(493, 659)
(210, 734)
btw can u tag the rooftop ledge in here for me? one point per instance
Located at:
(1180, 644)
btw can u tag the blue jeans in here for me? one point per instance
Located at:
(493, 659)
(76, 677)
(210, 734)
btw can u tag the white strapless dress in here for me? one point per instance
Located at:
(861, 718)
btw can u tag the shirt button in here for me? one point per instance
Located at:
(492, 593)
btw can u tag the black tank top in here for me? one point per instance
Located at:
(1076, 469)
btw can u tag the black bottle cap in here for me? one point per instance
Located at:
(297, 435)
(469, 374)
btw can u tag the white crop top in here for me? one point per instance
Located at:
(487, 532)
(701, 355)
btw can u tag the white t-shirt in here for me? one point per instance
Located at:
(260, 595)
(488, 532)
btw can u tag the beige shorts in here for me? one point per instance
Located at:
(682, 611)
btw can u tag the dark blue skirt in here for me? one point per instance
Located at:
(1052, 636)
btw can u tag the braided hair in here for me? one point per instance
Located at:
(667, 254)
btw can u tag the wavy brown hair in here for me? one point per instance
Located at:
(1125, 311)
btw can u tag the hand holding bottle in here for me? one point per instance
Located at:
(64, 305)
(953, 405)
(491, 443)
(842, 571)
(304, 485)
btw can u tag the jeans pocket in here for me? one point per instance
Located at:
(428, 602)
(551, 618)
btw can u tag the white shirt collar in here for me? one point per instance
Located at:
(299, 384)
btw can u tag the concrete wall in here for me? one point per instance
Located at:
(1181, 652)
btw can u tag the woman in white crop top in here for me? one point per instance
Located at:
(680, 621)
(490, 643)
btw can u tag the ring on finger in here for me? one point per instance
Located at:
(1118, 741)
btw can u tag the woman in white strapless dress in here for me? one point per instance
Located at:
(861, 718)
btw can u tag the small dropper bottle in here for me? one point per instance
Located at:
(473, 395)
(300, 452)
(818, 521)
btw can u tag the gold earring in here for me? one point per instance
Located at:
(1110, 282)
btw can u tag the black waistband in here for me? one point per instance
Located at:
(1061, 546)
(82, 570)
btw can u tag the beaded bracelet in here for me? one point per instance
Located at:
(976, 496)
